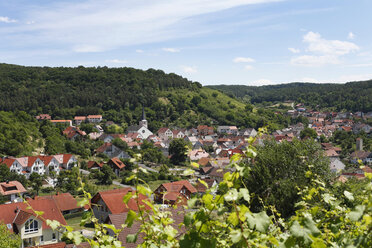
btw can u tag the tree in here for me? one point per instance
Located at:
(36, 181)
(120, 144)
(8, 239)
(106, 175)
(178, 149)
(279, 169)
(309, 133)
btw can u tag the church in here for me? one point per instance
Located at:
(142, 128)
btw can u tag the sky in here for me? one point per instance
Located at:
(249, 42)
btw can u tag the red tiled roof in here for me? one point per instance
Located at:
(31, 161)
(103, 147)
(176, 186)
(92, 164)
(64, 201)
(114, 200)
(8, 161)
(80, 118)
(51, 211)
(201, 187)
(203, 161)
(46, 159)
(66, 158)
(163, 130)
(94, 116)
(117, 162)
(119, 219)
(7, 188)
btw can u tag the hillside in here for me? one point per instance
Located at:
(353, 96)
(118, 94)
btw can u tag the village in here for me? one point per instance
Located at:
(210, 147)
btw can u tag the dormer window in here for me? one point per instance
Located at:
(31, 226)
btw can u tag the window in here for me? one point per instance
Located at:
(41, 239)
(54, 236)
(31, 226)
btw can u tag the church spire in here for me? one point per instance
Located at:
(143, 113)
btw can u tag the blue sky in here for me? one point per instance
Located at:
(251, 42)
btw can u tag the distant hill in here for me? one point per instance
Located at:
(353, 96)
(119, 93)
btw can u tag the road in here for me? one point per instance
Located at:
(147, 168)
(122, 185)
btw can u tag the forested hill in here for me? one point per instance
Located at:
(353, 96)
(118, 94)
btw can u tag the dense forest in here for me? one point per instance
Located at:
(119, 93)
(353, 96)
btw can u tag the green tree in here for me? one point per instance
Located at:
(178, 149)
(8, 239)
(36, 181)
(279, 170)
(309, 133)
(106, 175)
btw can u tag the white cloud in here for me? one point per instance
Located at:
(139, 51)
(94, 25)
(293, 50)
(355, 77)
(351, 36)
(189, 69)
(243, 60)
(323, 51)
(6, 19)
(117, 61)
(171, 50)
(262, 81)
(332, 47)
(248, 67)
(311, 60)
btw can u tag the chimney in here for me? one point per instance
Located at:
(359, 144)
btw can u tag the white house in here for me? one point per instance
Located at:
(165, 133)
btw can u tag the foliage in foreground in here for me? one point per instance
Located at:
(8, 239)
(225, 219)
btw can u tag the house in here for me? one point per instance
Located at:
(51, 164)
(118, 220)
(165, 133)
(94, 165)
(204, 130)
(336, 165)
(109, 202)
(43, 117)
(66, 161)
(13, 164)
(31, 228)
(116, 164)
(112, 151)
(200, 187)
(79, 119)
(108, 138)
(72, 132)
(12, 190)
(248, 132)
(216, 174)
(178, 134)
(364, 156)
(196, 155)
(66, 203)
(175, 193)
(231, 130)
(33, 165)
(94, 118)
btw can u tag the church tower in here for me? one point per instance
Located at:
(143, 122)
